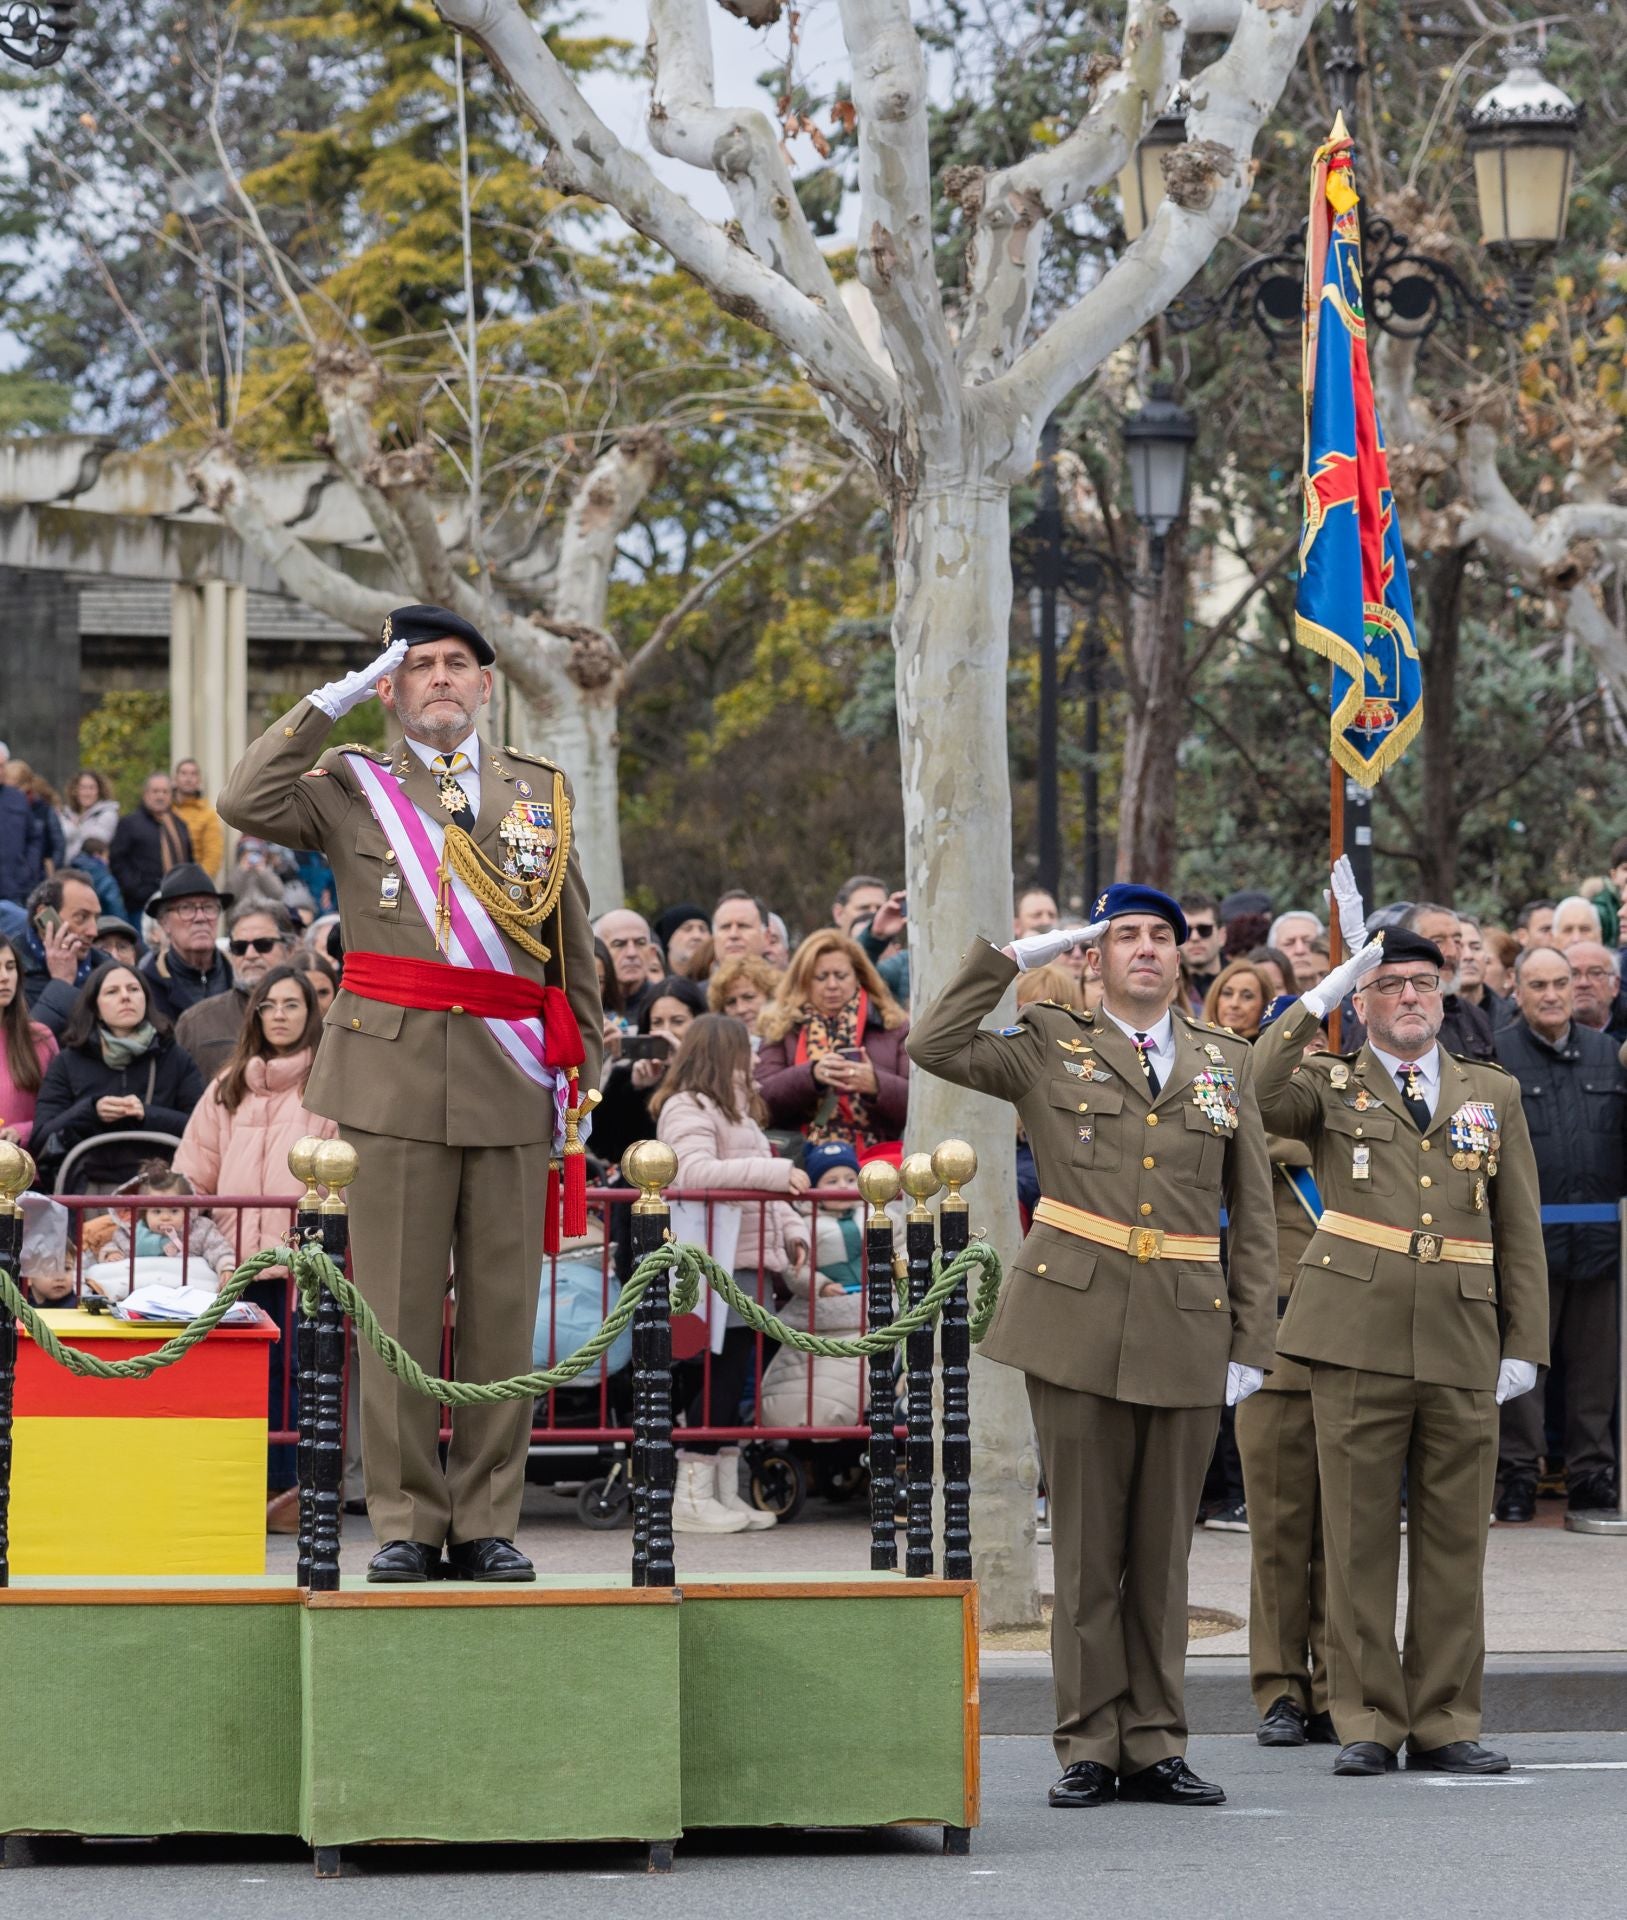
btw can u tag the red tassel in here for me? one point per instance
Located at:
(551, 1210)
(576, 1195)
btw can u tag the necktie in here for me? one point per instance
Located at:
(453, 798)
(1412, 1093)
(1144, 1049)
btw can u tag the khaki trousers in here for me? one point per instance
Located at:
(1124, 1483)
(1369, 1426)
(417, 1209)
(1582, 1333)
(1287, 1621)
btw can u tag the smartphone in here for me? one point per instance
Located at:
(47, 920)
(646, 1046)
(851, 1053)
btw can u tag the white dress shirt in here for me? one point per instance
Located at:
(469, 779)
(1160, 1042)
(1429, 1073)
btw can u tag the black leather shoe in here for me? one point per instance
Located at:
(1283, 1725)
(403, 1561)
(1320, 1730)
(1171, 1783)
(1592, 1493)
(1518, 1502)
(1087, 1783)
(1364, 1756)
(487, 1560)
(1457, 1756)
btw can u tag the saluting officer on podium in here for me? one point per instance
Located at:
(1143, 1125)
(452, 1058)
(1420, 1305)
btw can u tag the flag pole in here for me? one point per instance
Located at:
(1336, 846)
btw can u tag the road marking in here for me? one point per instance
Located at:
(1256, 1813)
(1570, 1766)
(1472, 1780)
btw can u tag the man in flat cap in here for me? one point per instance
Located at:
(1143, 1125)
(467, 1020)
(1420, 1305)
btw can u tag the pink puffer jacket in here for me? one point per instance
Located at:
(715, 1151)
(247, 1151)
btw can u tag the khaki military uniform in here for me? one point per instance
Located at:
(452, 1139)
(1276, 1441)
(1125, 1346)
(1403, 1343)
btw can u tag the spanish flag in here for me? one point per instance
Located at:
(1354, 605)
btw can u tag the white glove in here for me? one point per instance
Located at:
(1347, 898)
(1515, 1377)
(1344, 978)
(339, 696)
(1036, 949)
(1241, 1381)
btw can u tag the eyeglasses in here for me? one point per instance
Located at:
(264, 943)
(1391, 986)
(195, 909)
(286, 1008)
(1595, 973)
(1200, 929)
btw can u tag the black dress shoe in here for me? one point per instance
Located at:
(1592, 1493)
(1365, 1756)
(487, 1560)
(1320, 1730)
(1087, 1783)
(1518, 1502)
(1171, 1783)
(401, 1562)
(1283, 1725)
(1457, 1756)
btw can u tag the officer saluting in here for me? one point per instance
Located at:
(468, 1018)
(1420, 1305)
(1143, 1125)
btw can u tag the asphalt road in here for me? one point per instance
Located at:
(1549, 1837)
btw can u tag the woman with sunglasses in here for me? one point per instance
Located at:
(258, 938)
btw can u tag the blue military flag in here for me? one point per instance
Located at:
(1354, 606)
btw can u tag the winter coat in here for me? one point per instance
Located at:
(839, 1386)
(203, 827)
(99, 821)
(16, 1107)
(793, 1094)
(175, 986)
(246, 1152)
(165, 1079)
(137, 856)
(21, 845)
(714, 1151)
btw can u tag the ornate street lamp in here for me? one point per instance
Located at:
(1141, 180)
(1158, 441)
(1522, 135)
(35, 33)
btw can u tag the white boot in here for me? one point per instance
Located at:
(695, 1507)
(729, 1495)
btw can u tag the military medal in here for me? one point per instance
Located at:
(1339, 1076)
(389, 888)
(1479, 1194)
(1361, 1167)
(529, 840)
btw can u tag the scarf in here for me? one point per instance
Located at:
(839, 1116)
(121, 1050)
(171, 850)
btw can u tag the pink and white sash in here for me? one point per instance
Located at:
(473, 937)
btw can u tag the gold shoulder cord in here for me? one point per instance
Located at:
(489, 884)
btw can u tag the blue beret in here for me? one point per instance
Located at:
(1124, 896)
(1278, 1008)
(416, 625)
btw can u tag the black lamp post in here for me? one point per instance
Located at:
(1522, 136)
(36, 33)
(1158, 439)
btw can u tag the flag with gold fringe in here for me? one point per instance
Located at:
(1354, 606)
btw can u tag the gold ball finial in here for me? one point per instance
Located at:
(16, 1171)
(302, 1165)
(878, 1182)
(920, 1183)
(649, 1165)
(954, 1162)
(334, 1164)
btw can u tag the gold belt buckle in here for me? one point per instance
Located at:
(1146, 1243)
(1426, 1248)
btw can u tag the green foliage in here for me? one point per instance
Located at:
(31, 405)
(126, 736)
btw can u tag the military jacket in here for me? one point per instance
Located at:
(1096, 1319)
(1294, 1229)
(1472, 1176)
(409, 1072)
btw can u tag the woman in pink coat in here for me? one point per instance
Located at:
(710, 1113)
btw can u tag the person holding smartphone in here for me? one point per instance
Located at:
(635, 1062)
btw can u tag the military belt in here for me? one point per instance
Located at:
(1146, 1243)
(1424, 1246)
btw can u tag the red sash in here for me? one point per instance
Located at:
(435, 986)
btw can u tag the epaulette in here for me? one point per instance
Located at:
(535, 759)
(1470, 1060)
(376, 754)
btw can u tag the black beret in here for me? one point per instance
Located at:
(416, 625)
(1400, 944)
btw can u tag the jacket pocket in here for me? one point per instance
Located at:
(1208, 1150)
(1328, 1253)
(1091, 1112)
(1050, 1255)
(355, 1015)
(1199, 1292)
(1477, 1284)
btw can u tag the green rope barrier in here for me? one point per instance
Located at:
(141, 1366)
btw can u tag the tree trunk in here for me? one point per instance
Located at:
(578, 732)
(1442, 817)
(950, 631)
(1157, 680)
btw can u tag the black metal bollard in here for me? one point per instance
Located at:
(650, 1165)
(879, 1184)
(16, 1172)
(920, 1183)
(955, 1163)
(335, 1167)
(307, 1227)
